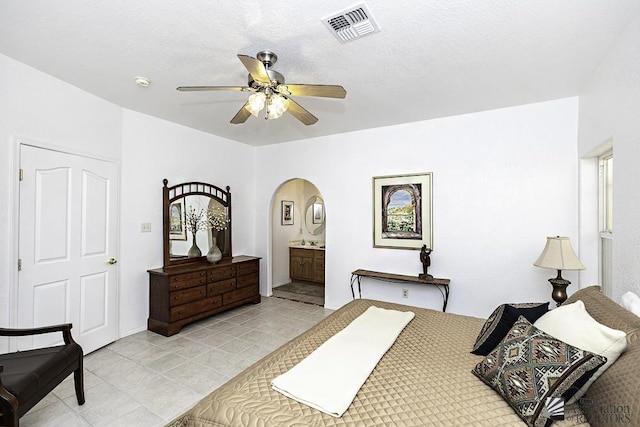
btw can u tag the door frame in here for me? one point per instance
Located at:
(274, 205)
(14, 220)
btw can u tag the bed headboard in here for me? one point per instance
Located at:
(614, 398)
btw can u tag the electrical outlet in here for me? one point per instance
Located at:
(405, 293)
(145, 227)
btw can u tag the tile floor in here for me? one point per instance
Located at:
(127, 383)
(301, 291)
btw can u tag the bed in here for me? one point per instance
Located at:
(424, 379)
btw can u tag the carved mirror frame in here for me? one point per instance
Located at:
(177, 192)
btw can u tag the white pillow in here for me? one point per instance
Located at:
(631, 302)
(572, 324)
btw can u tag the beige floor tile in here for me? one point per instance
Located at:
(126, 382)
(139, 417)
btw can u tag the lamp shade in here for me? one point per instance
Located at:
(559, 255)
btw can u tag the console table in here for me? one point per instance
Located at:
(441, 284)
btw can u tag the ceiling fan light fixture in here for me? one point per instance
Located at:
(256, 103)
(270, 91)
(276, 106)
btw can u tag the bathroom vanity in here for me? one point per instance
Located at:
(306, 263)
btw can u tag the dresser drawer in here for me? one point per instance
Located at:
(248, 279)
(187, 295)
(187, 280)
(240, 294)
(193, 308)
(247, 267)
(221, 273)
(221, 286)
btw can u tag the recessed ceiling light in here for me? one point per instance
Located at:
(143, 81)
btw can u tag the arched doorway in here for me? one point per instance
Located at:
(298, 242)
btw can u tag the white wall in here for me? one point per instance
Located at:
(36, 107)
(610, 110)
(504, 180)
(155, 149)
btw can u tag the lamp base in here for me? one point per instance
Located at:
(559, 284)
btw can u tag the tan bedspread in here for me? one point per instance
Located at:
(424, 379)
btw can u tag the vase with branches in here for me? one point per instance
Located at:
(194, 221)
(216, 220)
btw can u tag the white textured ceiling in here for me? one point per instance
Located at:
(432, 58)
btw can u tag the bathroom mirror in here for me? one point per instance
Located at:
(199, 207)
(314, 219)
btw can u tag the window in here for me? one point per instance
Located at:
(606, 221)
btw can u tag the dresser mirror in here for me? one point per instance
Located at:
(196, 216)
(314, 219)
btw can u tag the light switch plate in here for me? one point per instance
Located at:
(145, 227)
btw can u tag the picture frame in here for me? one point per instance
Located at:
(403, 211)
(287, 216)
(177, 229)
(318, 213)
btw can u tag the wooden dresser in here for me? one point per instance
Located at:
(179, 295)
(307, 265)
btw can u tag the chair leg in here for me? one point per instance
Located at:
(9, 417)
(10, 420)
(78, 379)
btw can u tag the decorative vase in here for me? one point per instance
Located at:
(214, 255)
(194, 250)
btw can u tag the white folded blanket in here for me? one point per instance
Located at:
(330, 377)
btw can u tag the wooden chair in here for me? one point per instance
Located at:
(28, 376)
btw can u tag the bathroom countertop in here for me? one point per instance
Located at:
(307, 246)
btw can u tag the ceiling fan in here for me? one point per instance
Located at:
(271, 92)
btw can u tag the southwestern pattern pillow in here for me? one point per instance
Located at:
(528, 366)
(501, 320)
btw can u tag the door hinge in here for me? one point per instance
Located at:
(19, 264)
(21, 174)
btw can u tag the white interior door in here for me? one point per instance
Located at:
(67, 245)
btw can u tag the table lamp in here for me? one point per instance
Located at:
(559, 255)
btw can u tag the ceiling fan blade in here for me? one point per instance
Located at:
(327, 91)
(300, 113)
(242, 115)
(203, 88)
(255, 68)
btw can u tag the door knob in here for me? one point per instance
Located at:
(112, 261)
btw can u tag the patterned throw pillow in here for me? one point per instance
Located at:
(572, 324)
(501, 320)
(528, 366)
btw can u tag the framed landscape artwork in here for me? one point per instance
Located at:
(177, 229)
(287, 212)
(402, 211)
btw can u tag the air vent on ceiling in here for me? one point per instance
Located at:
(352, 23)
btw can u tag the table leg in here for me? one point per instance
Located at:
(446, 298)
(356, 278)
(353, 278)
